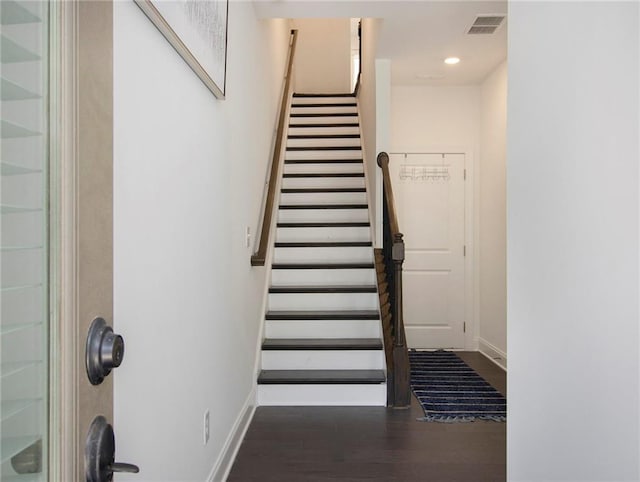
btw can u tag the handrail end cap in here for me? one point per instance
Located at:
(257, 260)
(383, 158)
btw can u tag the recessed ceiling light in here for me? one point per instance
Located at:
(451, 60)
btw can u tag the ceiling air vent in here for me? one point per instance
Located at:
(485, 24)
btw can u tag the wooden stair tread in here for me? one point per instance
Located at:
(324, 225)
(323, 161)
(324, 174)
(324, 289)
(322, 266)
(327, 104)
(323, 244)
(324, 377)
(325, 148)
(323, 315)
(340, 124)
(323, 206)
(346, 94)
(324, 136)
(322, 344)
(303, 190)
(335, 114)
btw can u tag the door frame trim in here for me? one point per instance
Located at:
(63, 155)
(472, 242)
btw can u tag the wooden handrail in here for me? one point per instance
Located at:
(383, 162)
(260, 256)
(399, 391)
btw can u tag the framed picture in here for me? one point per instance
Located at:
(197, 29)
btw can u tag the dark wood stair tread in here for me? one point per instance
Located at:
(324, 136)
(322, 206)
(323, 161)
(321, 377)
(324, 174)
(322, 266)
(323, 315)
(362, 224)
(322, 344)
(335, 114)
(322, 189)
(326, 104)
(323, 244)
(325, 148)
(323, 289)
(346, 94)
(340, 124)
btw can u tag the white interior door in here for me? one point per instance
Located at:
(429, 192)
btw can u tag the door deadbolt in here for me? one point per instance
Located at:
(100, 451)
(105, 351)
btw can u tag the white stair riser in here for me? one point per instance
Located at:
(323, 215)
(322, 277)
(322, 155)
(320, 142)
(323, 167)
(323, 329)
(322, 182)
(323, 198)
(325, 131)
(349, 119)
(323, 100)
(324, 255)
(322, 359)
(322, 395)
(323, 301)
(349, 234)
(324, 110)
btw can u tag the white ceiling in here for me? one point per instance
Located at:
(416, 35)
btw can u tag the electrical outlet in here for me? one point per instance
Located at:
(248, 237)
(205, 427)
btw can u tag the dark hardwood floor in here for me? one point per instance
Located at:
(372, 443)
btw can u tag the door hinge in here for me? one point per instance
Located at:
(464, 250)
(465, 174)
(464, 327)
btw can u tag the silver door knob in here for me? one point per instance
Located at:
(100, 449)
(105, 351)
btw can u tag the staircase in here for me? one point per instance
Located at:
(323, 335)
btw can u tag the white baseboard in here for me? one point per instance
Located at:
(222, 467)
(493, 353)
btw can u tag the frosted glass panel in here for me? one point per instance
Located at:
(24, 243)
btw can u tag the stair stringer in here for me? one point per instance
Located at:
(372, 225)
(367, 176)
(270, 252)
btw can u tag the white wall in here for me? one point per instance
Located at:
(492, 275)
(367, 105)
(189, 172)
(473, 118)
(424, 117)
(383, 139)
(444, 119)
(323, 55)
(572, 237)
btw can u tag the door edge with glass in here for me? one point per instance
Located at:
(25, 250)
